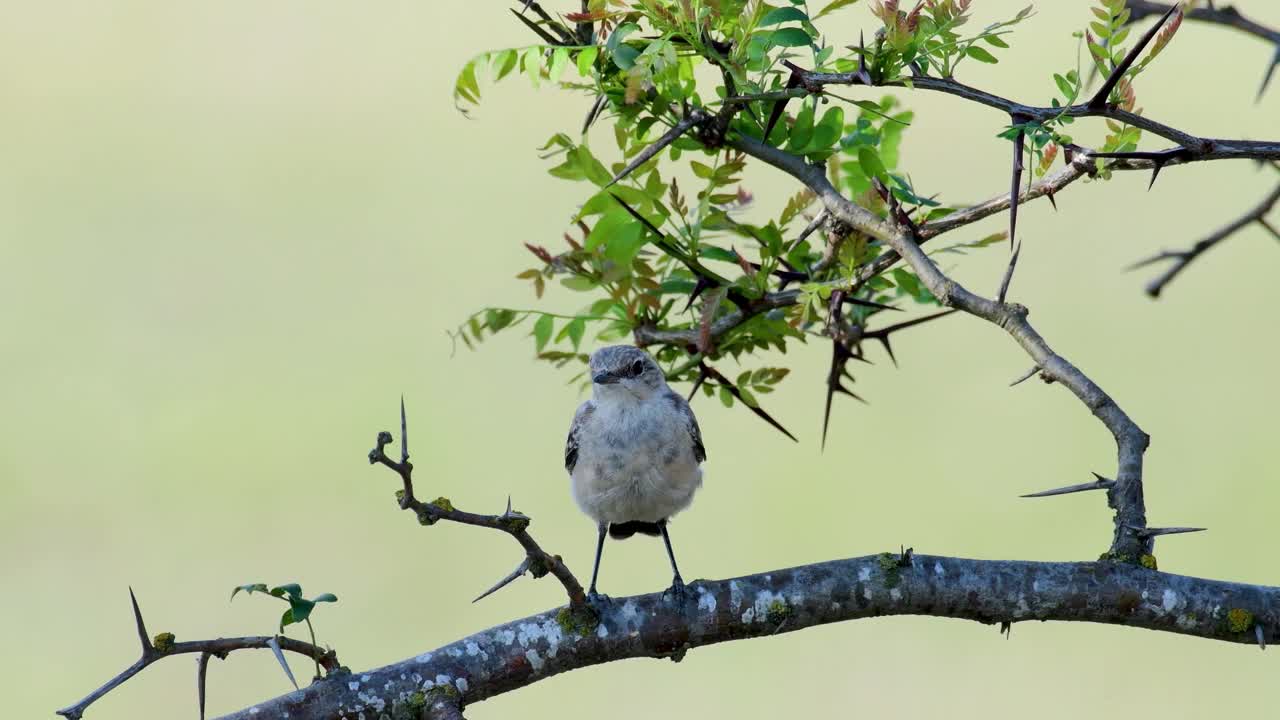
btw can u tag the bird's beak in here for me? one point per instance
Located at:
(604, 378)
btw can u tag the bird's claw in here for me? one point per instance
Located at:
(676, 593)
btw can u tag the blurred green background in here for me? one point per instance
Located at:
(232, 233)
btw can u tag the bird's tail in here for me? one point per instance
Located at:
(622, 531)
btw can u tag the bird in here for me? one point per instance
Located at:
(633, 454)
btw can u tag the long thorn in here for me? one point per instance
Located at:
(670, 136)
(1019, 144)
(521, 569)
(1100, 484)
(1008, 273)
(202, 669)
(1099, 100)
(143, 637)
(1025, 376)
(1156, 532)
(404, 433)
(274, 644)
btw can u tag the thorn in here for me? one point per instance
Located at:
(521, 569)
(1025, 376)
(1155, 173)
(869, 304)
(404, 433)
(145, 639)
(883, 333)
(1008, 273)
(699, 286)
(1019, 144)
(1099, 100)
(1156, 532)
(670, 136)
(1006, 628)
(1266, 77)
(1275, 233)
(1262, 636)
(636, 214)
(596, 108)
(274, 644)
(1100, 484)
(1052, 201)
(508, 510)
(548, 37)
(734, 391)
(808, 230)
(778, 106)
(202, 667)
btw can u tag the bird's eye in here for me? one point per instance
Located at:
(637, 367)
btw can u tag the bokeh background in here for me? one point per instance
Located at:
(233, 233)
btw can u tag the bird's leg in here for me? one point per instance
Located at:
(677, 584)
(592, 595)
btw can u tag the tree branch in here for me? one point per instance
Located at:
(519, 653)
(540, 562)
(1126, 497)
(1182, 258)
(164, 645)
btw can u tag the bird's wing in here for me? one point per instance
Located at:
(695, 434)
(580, 419)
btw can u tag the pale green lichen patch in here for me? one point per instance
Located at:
(1148, 562)
(443, 503)
(577, 621)
(891, 566)
(1239, 620)
(778, 611)
(163, 642)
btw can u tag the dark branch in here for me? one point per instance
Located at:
(517, 654)
(1183, 258)
(164, 646)
(1126, 497)
(512, 523)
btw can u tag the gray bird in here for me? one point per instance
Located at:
(633, 452)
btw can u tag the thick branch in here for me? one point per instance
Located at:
(519, 653)
(1131, 442)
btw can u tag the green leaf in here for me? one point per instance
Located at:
(781, 15)
(294, 590)
(587, 59)
(542, 330)
(325, 597)
(726, 397)
(299, 609)
(579, 283)
(573, 331)
(286, 619)
(833, 6)
(250, 589)
(788, 37)
(980, 55)
(559, 58)
(802, 131)
(871, 165)
(828, 129)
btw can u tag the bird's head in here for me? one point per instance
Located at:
(624, 370)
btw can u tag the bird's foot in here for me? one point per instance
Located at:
(676, 593)
(598, 602)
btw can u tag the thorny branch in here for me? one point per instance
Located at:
(1131, 442)
(164, 645)
(1182, 258)
(537, 562)
(519, 653)
(1226, 16)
